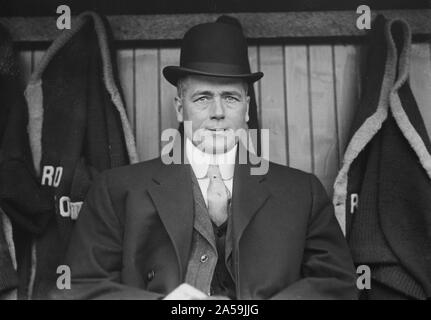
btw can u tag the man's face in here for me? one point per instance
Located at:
(216, 107)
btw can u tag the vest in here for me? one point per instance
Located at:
(202, 265)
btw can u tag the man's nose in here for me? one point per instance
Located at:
(217, 110)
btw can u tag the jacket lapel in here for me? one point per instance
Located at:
(249, 195)
(173, 199)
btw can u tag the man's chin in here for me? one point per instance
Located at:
(214, 143)
(216, 147)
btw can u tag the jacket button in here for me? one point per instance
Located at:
(204, 258)
(150, 275)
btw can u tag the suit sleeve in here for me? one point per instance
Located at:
(327, 267)
(95, 251)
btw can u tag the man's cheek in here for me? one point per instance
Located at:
(239, 122)
(197, 124)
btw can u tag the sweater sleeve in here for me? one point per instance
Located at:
(8, 274)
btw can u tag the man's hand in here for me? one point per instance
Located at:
(186, 292)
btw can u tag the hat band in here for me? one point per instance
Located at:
(218, 68)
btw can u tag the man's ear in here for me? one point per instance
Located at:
(178, 105)
(247, 117)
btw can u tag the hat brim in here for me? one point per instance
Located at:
(173, 73)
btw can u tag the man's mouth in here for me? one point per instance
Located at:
(217, 130)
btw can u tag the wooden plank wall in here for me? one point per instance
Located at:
(307, 97)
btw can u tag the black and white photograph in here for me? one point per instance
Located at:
(233, 151)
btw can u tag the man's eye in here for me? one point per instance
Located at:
(231, 99)
(202, 99)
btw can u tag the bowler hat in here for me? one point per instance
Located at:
(213, 49)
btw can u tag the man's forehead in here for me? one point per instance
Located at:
(221, 83)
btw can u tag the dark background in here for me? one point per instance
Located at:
(110, 7)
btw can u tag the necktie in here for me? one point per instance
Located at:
(218, 196)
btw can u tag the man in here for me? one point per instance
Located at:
(208, 227)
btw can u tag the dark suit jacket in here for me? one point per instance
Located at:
(133, 236)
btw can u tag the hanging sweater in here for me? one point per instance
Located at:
(384, 185)
(12, 106)
(77, 128)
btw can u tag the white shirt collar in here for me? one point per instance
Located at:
(200, 161)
